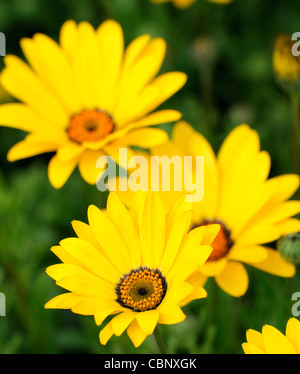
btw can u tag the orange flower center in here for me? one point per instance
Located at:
(142, 289)
(90, 126)
(222, 242)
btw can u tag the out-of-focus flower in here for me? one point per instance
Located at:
(272, 341)
(204, 50)
(251, 209)
(286, 65)
(86, 97)
(182, 4)
(133, 263)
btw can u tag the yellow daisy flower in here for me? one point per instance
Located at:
(132, 263)
(85, 97)
(272, 341)
(182, 4)
(251, 209)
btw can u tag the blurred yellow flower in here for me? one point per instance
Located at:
(251, 209)
(286, 66)
(182, 4)
(86, 97)
(133, 263)
(272, 341)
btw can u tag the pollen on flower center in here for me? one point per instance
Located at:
(90, 126)
(142, 289)
(222, 242)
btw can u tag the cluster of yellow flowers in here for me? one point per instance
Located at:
(182, 4)
(149, 253)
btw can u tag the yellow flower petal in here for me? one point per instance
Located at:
(121, 218)
(170, 312)
(259, 234)
(145, 138)
(248, 180)
(178, 230)
(156, 118)
(80, 282)
(179, 207)
(182, 269)
(133, 52)
(102, 314)
(251, 349)
(233, 279)
(197, 279)
(88, 166)
(167, 85)
(64, 256)
(249, 253)
(19, 80)
(82, 286)
(255, 338)
(24, 149)
(74, 277)
(144, 69)
(19, 116)
(198, 293)
(210, 233)
(241, 135)
(288, 226)
(63, 301)
(192, 143)
(106, 333)
(152, 230)
(293, 333)
(275, 342)
(148, 320)
(68, 36)
(69, 150)
(194, 238)
(91, 258)
(275, 264)
(91, 306)
(283, 187)
(59, 171)
(280, 212)
(177, 291)
(121, 322)
(87, 63)
(53, 68)
(136, 334)
(109, 238)
(83, 231)
(111, 46)
(213, 268)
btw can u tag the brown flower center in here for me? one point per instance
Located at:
(142, 289)
(90, 126)
(222, 242)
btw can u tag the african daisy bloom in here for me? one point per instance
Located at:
(251, 209)
(131, 263)
(182, 4)
(272, 341)
(86, 97)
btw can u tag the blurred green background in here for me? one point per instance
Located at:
(227, 53)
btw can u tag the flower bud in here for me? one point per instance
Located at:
(286, 66)
(289, 247)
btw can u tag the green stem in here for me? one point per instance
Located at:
(295, 130)
(159, 341)
(207, 96)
